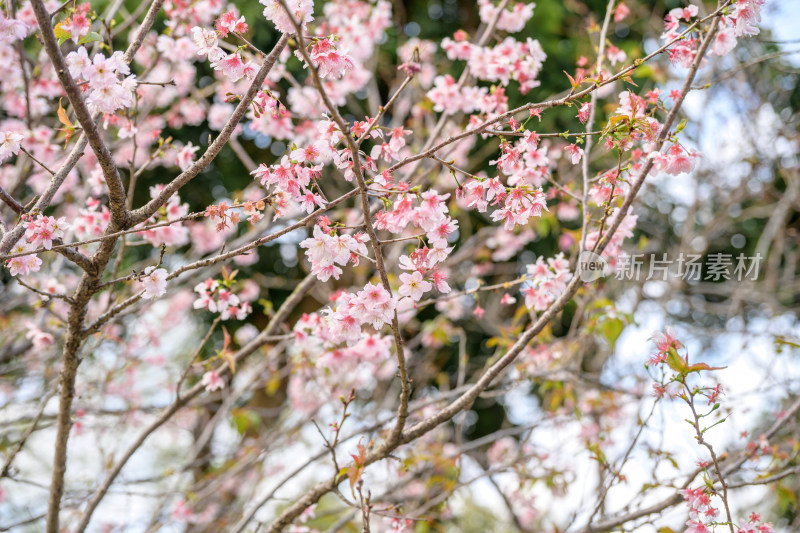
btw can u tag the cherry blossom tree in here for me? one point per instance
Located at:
(336, 330)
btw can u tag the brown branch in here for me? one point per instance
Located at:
(116, 191)
(10, 201)
(24, 151)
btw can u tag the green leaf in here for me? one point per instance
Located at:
(676, 362)
(90, 37)
(613, 122)
(60, 33)
(244, 419)
(267, 305)
(611, 329)
(697, 367)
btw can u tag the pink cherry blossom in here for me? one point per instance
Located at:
(724, 41)
(621, 12)
(513, 20)
(24, 264)
(413, 285)
(154, 282)
(212, 381)
(301, 10)
(330, 61)
(9, 144)
(583, 113)
(42, 230)
(574, 152)
(230, 22)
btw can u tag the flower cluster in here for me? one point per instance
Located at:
(207, 43)
(746, 16)
(458, 47)
(107, 92)
(665, 341)
(12, 30)
(675, 160)
(185, 155)
(230, 22)
(9, 144)
(512, 20)
(430, 216)
(510, 60)
(519, 205)
(218, 297)
(291, 179)
(607, 185)
(755, 525)
(448, 95)
(525, 162)
(516, 205)
(93, 220)
(42, 230)
(702, 515)
(24, 264)
(76, 25)
(700, 510)
(343, 359)
(335, 342)
(301, 10)
(325, 250)
(547, 282)
(232, 66)
(330, 61)
(684, 51)
(739, 21)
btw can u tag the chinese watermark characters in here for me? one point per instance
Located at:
(715, 267)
